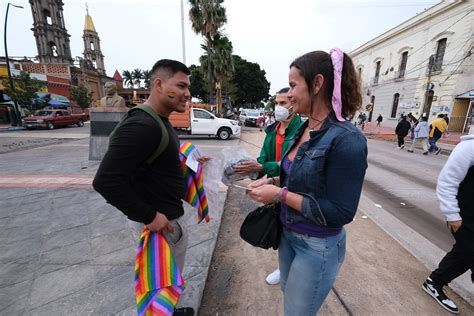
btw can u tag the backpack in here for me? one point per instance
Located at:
(165, 138)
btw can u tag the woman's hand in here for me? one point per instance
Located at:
(203, 159)
(259, 182)
(265, 193)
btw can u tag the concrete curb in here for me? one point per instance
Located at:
(425, 251)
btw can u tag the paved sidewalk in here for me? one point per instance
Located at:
(447, 142)
(63, 250)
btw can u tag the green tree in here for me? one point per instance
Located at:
(25, 90)
(251, 82)
(147, 78)
(137, 75)
(207, 16)
(218, 58)
(198, 84)
(81, 96)
(127, 78)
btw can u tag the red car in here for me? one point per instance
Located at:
(51, 119)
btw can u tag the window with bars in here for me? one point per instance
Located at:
(438, 62)
(377, 72)
(396, 98)
(403, 65)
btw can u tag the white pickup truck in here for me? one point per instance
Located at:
(198, 121)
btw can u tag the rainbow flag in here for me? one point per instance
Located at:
(158, 281)
(195, 194)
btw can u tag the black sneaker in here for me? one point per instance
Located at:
(437, 293)
(438, 151)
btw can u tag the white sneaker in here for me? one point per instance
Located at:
(273, 278)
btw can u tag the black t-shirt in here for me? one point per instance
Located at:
(128, 183)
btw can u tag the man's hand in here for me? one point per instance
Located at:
(248, 166)
(160, 224)
(454, 225)
(203, 159)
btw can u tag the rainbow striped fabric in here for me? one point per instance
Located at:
(158, 281)
(195, 194)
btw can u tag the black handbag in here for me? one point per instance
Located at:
(262, 227)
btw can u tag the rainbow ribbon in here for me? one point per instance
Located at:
(158, 281)
(195, 194)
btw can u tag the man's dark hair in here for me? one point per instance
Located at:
(283, 90)
(170, 67)
(441, 115)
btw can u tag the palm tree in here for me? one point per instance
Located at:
(137, 75)
(218, 58)
(127, 78)
(207, 16)
(147, 78)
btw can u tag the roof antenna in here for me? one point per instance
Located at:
(87, 9)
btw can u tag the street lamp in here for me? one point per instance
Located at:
(12, 86)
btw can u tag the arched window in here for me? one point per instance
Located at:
(403, 65)
(92, 45)
(53, 49)
(396, 98)
(438, 61)
(377, 71)
(47, 17)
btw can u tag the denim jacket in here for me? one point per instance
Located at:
(328, 170)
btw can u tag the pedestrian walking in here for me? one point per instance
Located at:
(402, 129)
(421, 132)
(455, 192)
(413, 122)
(261, 121)
(147, 192)
(276, 143)
(379, 120)
(437, 128)
(318, 189)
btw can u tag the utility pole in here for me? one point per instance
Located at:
(10, 78)
(428, 99)
(182, 33)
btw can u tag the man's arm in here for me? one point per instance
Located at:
(131, 145)
(452, 174)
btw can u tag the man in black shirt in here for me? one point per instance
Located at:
(150, 193)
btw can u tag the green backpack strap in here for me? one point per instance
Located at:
(164, 137)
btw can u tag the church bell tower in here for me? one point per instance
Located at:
(92, 51)
(52, 39)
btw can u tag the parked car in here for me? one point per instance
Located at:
(248, 117)
(51, 119)
(198, 121)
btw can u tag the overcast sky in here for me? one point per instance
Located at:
(137, 33)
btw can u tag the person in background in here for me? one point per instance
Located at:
(320, 180)
(413, 122)
(421, 132)
(437, 127)
(261, 121)
(274, 146)
(455, 192)
(402, 129)
(379, 120)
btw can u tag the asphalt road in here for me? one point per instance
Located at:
(405, 185)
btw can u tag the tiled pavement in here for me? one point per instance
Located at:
(64, 250)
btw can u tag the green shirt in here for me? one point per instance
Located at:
(267, 154)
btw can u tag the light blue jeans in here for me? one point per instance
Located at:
(308, 269)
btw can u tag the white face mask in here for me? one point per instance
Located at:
(282, 113)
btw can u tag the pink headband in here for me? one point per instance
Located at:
(337, 57)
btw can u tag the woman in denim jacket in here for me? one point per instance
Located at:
(320, 179)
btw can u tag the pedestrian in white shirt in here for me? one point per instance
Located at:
(455, 191)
